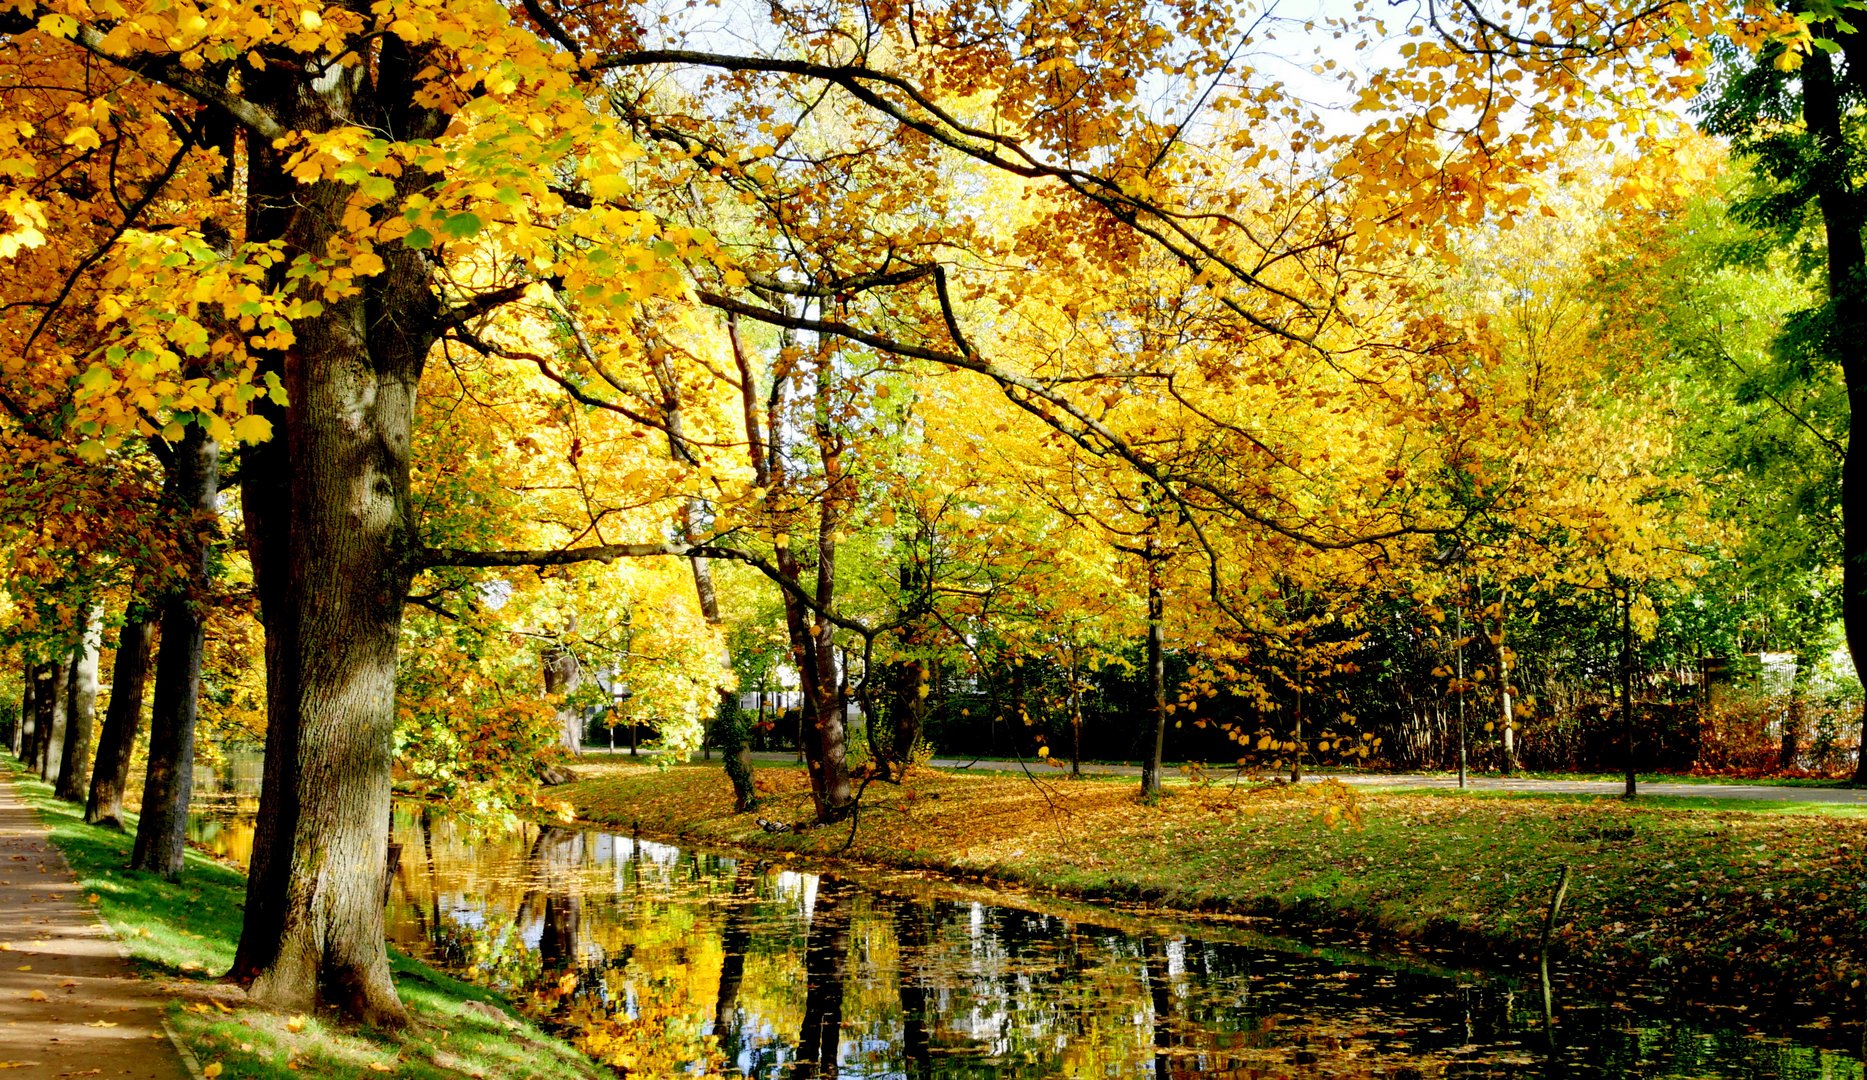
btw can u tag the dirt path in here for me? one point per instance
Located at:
(70, 1005)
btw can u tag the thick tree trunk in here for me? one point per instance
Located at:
(1156, 678)
(1843, 217)
(50, 699)
(331, 531)
(168, 781)
(129, 677)
(563, 674)
(81, 694)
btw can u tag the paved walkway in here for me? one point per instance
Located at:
(70, 1005)
(1765, 792)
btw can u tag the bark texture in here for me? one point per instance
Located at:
(168, 782)
(23, 731)
(1844, 213)
(116, 742)
(81, 696)
(331, 533)
(1156, 677)
(49, 700)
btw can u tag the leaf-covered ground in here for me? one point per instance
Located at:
(1726, 900)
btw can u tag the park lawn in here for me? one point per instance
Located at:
(1725, 898)
(185, 933)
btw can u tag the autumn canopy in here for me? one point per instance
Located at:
(425, 375)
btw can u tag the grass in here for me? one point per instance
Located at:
(1749, 898)
(184, 933)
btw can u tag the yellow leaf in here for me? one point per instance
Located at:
(211, 1070)
(252, 428)
(84, 138)
(295, 1024)
(36, 995)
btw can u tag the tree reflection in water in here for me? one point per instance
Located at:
(819, 1038)
(664, 962)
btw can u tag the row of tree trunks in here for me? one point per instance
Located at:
(54, 736)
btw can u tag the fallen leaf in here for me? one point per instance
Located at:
(295, 1025)
(377, 1066)
(67, 984)
(36, 995)
(102, 1024)
(24, 967)
(219, 1006)
(211, 1070)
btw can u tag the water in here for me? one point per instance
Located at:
(666, 961)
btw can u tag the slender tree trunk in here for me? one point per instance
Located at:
(1506, 715)
(82, 696)
(1794, 717)
(1156, 676)
(168, 781)
(27, 728)
(1076, 722)
(1843, 217)
(129, 677)
(1627, 685)
(51, 702)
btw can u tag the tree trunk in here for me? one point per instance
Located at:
(331, 531)
(1627, 685)
(1843, 216)
(563, 674)
(50, 699)
(1156, 676)
(82, 696)
(129, 677)
(168, 781)
(1794, 716)
(28, 726)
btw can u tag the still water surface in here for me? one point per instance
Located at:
(669, 961)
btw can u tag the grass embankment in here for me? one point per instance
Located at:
(184, 934)
(1733, 899)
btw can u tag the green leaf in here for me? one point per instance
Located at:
(378, 187)
(461, 226)
(418, 238)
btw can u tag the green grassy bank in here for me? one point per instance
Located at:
(183, 934)
(1732, 901)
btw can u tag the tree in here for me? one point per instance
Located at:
(116, 741)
